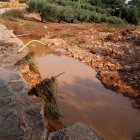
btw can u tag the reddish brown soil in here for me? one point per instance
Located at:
(113, 50)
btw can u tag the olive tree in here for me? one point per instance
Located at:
(38, 6)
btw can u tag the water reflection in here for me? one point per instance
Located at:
(85, 99)
(40, 49)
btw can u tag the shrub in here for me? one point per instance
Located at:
(70, 3)
(68, 14)
(62, 2)
(74, 5)
(114, 20)
(96, 17)
(88, 7)
(133, 15)
(100, 10)
(103, 18)
(60, 13)
(67, 10)
(51, 12)
(84, 15)
(110, 11)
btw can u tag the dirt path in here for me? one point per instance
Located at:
(113, 50)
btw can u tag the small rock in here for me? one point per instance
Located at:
(45, 27)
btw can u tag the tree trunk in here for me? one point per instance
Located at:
(41, 15)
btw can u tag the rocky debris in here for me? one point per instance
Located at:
(54, 43)
(113, 38)
(116, 60)
(78, 131)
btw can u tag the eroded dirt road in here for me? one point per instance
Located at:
(113, 50)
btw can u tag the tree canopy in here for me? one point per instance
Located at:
(113, 11)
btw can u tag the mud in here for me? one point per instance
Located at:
(111, 50)
(82, 97)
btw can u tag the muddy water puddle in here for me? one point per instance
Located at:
(84, 98)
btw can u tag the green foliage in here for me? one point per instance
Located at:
(68, 14)
(103, 18)
(96, 17)
(84, 15)
(51, 12)
(114, 20)
(118, 8)
(97, 3)
(37, 6)
(134, 12)
(133, 15)
(135, 3)
(110, 11)
(88, 7)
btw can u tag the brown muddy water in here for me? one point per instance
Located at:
(85, 99)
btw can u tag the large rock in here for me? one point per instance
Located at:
(20, 117)
(78, 131)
